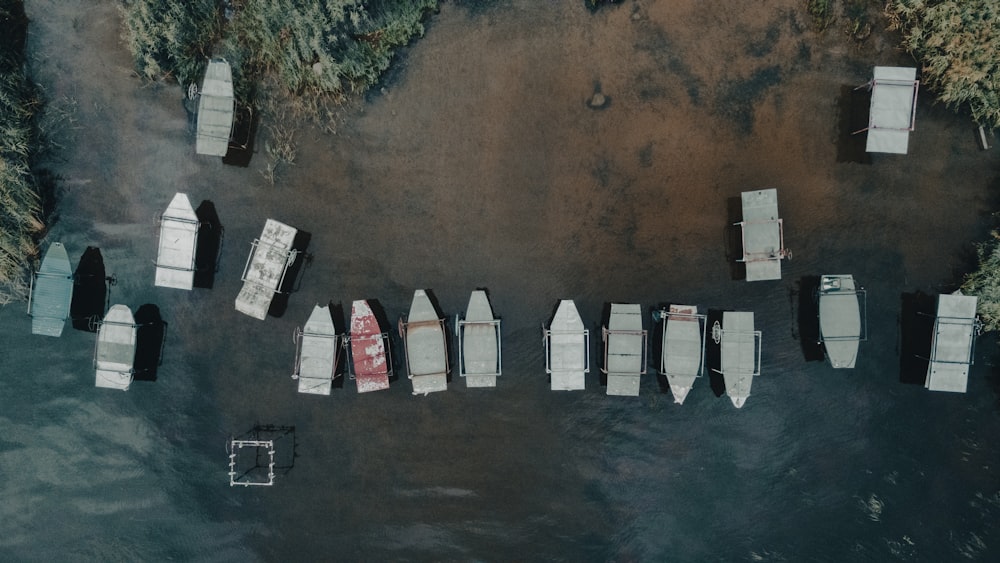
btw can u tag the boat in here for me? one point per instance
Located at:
(763, 235)
(369, 348)
(953, 343)
(893, 112)
(426, 349)
(479, 350)
(567, 349)
(114, 355)
(51, 292)
(625, 348)
(216, 107)
(317, 353)
(740, 354)
(840, 320)
(264, 273)
(178, 240)
(683, 348)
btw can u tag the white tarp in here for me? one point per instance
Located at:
(893, 106)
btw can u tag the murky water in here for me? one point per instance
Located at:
(481, 166)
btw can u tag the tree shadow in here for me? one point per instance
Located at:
(91, 290)
(853, 105)
(208, 251)
(150, 340)
(916, 328)
(808, 317)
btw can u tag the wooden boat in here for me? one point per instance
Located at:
(740, 354)
(264, 273)
(567, 348)
(840, 320)
(114, 356)
(178, 240)
(893, 111)
(216, 107)
(369, 348)
(763, 235)
(426, 349)
(51, 292)
(479, 351)
(625, 348)
(953, 343)
(683, 351)
(317, 353)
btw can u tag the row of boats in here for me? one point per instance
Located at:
(841, 307)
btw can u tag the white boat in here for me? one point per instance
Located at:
(567, 349)
(264, 273)
(317, 353)
(740, 354)
(114, 356)
(479, 351)
(625, 348)
(953, 343)
(178, 241)
(216, 107)
(369, 347)
(51, 292)
(426, 350)
(683, 357)
(763, 235)
(840, 321)
(893, 110)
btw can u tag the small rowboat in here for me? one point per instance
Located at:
(763, 235)
(426, 350)
(51, 292)
(479, 351)
(625, 348)
(740, 354)
(567, 348)
(318, 351)
(178, 240)
(369, 348)
(683, 358)
(270, 257)
(114, 355)
(953, 344)
(840, 321)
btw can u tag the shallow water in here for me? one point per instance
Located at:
(481, 166)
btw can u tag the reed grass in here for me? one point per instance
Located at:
(958, 45)
(20, 203)
(985, 282)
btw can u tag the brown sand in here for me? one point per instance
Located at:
(480, 164)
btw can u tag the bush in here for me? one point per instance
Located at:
(171, 38)
(985, 282)
(20, 205)
(958, 44)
